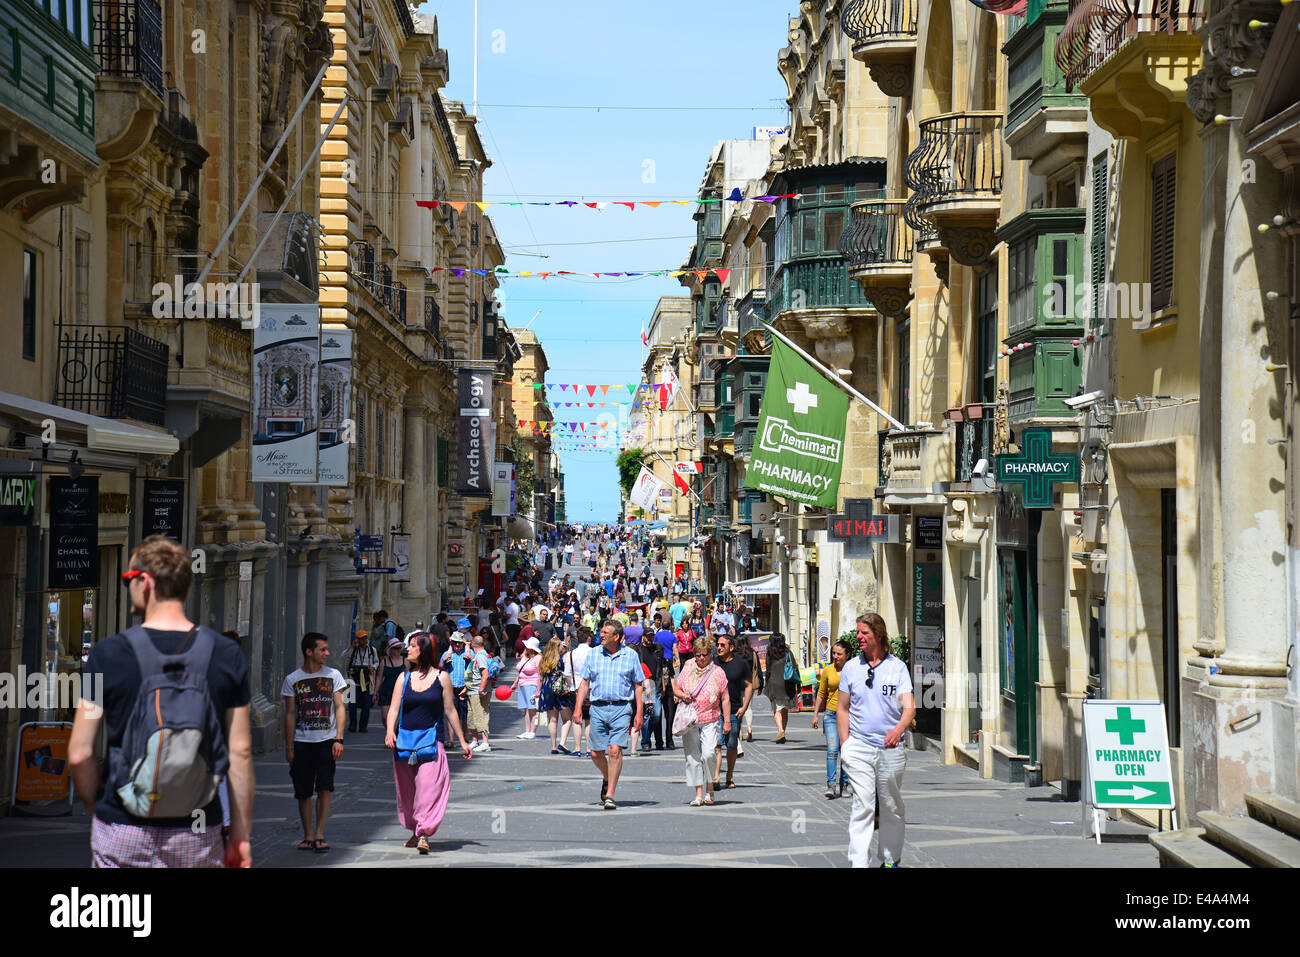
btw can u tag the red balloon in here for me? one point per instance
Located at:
(503, 692)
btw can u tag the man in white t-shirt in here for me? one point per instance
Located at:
(314, 711)
(875, 707)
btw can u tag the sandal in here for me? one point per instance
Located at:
(708, 800)
(412, 842)
(322, 846)
(423, 845)
(730, 783)
(306, 844)
(696, 803)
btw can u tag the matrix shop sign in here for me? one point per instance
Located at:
(1037, 468)
(17, 500)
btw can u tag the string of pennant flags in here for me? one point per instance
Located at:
(505, 273)
(733, 197)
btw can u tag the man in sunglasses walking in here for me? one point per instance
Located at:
(876, 706)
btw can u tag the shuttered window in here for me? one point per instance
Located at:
(444, 463)
(361, 434)
(1164, 181)
(380, 423)
(1100, 205)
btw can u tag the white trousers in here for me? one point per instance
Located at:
(698, 743)
(875, 772)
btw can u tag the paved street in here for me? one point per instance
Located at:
(520, 806)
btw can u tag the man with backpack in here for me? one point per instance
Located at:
(385, 629)
(159, 805)
(313, 726)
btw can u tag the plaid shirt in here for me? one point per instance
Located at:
(612, 677)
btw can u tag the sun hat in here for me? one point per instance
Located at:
(463, 624)
(532, 644)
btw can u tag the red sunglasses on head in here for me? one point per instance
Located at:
(133, 573)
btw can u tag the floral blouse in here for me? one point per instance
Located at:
(708, 699)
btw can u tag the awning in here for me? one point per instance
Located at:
(683, 542)
(103, 435)
(763, 585)
(520, 527)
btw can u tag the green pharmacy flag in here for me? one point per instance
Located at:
(799, 448)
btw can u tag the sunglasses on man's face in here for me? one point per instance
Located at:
(128, 577)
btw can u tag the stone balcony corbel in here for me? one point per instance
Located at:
(1139, 84)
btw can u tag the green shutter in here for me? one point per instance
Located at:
(444, 463)
(1100, 207)
(1164, 183)
(1057, 270)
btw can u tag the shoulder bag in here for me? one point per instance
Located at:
(560, 680)
(686, 715)
(791, 675)
(415, 746)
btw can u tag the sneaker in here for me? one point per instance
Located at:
(830, 791)
(603, 786)
(610, 805)
(522, 736)
(528, 735)
(563, 750)
(889, 865)
(484, 749)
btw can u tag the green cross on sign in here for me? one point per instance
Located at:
(1125, 725)
(1036, 468)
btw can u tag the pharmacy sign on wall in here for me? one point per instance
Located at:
(1126, 751)
(1037, 468)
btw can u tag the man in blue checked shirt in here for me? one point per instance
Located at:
(457, 660)
(612, 677)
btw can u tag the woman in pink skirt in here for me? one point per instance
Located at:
(422, 787)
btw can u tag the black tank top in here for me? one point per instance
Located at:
(421, 710)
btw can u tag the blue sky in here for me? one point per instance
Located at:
(672, 55)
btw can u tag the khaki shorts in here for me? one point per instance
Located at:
(478, 712)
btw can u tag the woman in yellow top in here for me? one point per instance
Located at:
(828, 690)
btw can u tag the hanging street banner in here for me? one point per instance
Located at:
(799, 448)
(164, 508)
(1037, 468)
(646, 490)
(335, 400)
(286, 405)
(74, 532)
(477, 433)
(503, 489)
(1126, 754)
(401, 557)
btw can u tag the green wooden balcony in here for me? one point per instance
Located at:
(47, 104)
(1047, 300)
(1046, 123)
(814, 284)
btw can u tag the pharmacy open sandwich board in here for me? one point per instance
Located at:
(1126, 755)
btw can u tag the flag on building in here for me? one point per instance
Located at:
(799, 447)
(646, 490)
(682, 472)
(645, 341)
(671, 384)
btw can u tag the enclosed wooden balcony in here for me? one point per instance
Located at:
(911, 463)
(884, 38)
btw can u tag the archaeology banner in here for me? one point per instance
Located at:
(335, 400)
(477, 433)
(286, 409)
(799, 448)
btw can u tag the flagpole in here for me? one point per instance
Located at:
(835, 378)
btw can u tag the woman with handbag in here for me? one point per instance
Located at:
(700, 689)
(556, 692)
(781, 686)
(419, 763)
(527, 683)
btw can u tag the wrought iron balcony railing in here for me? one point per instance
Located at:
(878, 234)
(867, 20)
(385, 290)
(128, 40)
(399, 302)
(111, 371)
(432, 316)
(957, 156)
(1096, 29)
